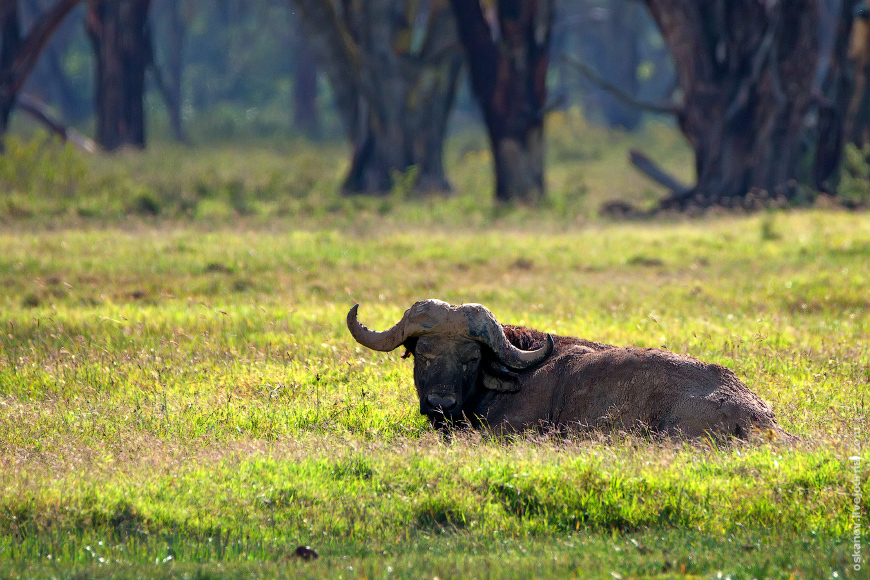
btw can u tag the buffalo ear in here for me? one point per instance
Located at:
(497, 377)
(409, 345)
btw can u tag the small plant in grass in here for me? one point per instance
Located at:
(769, 230)
(855, 181)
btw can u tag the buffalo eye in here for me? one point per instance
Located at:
(470, 361)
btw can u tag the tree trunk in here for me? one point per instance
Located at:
(507, 53)
(409, 73)
(833, 87)
(752, 74)
(18, 55)
(858, 113)
(10, 37)
(306, 114)
(394, 67)
(119, 34)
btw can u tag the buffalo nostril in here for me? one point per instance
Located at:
(445, 403)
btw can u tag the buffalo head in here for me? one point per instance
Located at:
(454, 348)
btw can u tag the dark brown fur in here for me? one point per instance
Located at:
(592, 385)
(529, 339)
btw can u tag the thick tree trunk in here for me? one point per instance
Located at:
(18, 54)
(119, 34)
(750, 75)
(833, 86)
(10, 45)
(507, 53)
(394, 67)
(858, 114)
(409, 73)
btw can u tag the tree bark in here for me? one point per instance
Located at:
(122, 46)
(10, 37)
(507, 54)
(18, 54)
(393, 66)
(752, 75)
(858, 114)
(833, 87)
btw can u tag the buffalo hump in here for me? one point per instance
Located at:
(599, 386)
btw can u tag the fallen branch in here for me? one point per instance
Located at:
(659, 175)
(43, 114)
(594, 78)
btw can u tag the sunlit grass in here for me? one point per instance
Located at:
(179, 394)
(258, 181)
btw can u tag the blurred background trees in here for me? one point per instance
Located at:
(763, 85)
(766, 93)
(20, 50)
(507, 46)
(121, 39)
(394, 67)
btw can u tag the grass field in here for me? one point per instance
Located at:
(180, 398)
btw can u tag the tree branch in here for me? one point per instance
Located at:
(657, 174)
(764, 55)
(36, 40)
(41, 113)
(481, 52)
(594, 78)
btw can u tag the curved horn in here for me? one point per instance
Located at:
(513, 357)
(485, 328)
(384, 341)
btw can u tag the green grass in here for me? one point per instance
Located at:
(180, 398)
(291, 179)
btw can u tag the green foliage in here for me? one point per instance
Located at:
(855, 181)
(38, 165)
(769, 231)
(404, 182)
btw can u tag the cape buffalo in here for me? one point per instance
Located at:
(469, 367)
